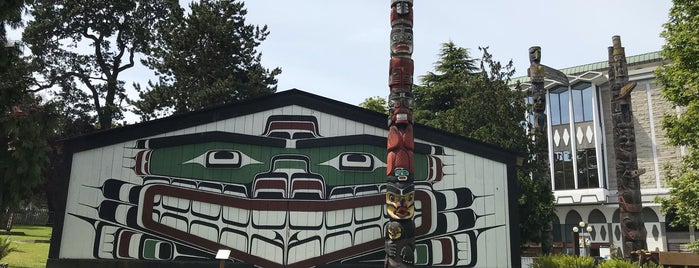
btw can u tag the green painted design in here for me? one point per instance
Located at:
(422, 254)
(149, 248)
(177, 161)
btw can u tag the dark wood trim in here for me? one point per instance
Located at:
(62, 202)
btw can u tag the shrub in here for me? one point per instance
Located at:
(5, 247)
(616, 263)
(568, 261)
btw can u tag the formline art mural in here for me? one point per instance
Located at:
(282, 181)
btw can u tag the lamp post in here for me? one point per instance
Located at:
(583, 227)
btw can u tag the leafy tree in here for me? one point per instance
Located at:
(680, 81)
(206, 58)
(376, 104)
(453, 99)
(84, 46)
(25, 126)
(10, 15)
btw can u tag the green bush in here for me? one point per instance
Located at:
(616, 263)
(568, 261)
(5, 247)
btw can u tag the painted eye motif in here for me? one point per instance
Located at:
(363, 162)
(391, 197)
(224, 158)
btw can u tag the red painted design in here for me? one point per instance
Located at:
(125, 243)
(142, 166)
(447, 250)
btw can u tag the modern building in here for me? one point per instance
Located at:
(581, 147)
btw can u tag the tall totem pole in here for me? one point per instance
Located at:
(627, 173)
(536, 73)
(400, 190)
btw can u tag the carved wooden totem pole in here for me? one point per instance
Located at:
(632, 226)
(400, 190)
(536, 73)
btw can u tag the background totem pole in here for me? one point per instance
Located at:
(536, 73)
(400, 190)
(632, 227)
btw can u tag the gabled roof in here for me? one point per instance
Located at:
(281, 99)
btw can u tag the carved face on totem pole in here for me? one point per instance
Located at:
(626, 143)
(401, 40)
(539, 104)
(535, 71)
(400, 200)
(535, 55)
(400, 105)
(394, 230)
(619, 70)
(400, 74)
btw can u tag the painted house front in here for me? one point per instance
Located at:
(287, 180)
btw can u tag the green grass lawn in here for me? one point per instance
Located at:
(29, 253)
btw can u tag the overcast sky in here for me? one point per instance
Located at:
(339, 49)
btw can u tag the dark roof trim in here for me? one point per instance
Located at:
(281, 99)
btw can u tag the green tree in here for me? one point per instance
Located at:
(436, 97)
(680, 81)
(376, 104)
(26, 123)
(206, 58)
(84, 46)
(454, 98)
(10, 15)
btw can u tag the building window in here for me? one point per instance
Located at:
(582, 102)
(559, 106)
(574, 146)
(563, 171)
(587, 169)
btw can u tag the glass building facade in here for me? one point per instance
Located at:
(574, 113)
